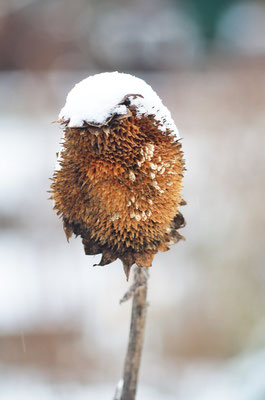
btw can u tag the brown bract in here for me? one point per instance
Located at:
(119, 188)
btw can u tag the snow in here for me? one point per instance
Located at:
(98, 97)
(118, 390)
(240, 378)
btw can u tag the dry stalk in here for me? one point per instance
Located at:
(136, 336)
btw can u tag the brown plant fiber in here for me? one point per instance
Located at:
(119, 188)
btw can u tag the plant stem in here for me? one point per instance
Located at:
(136, 336)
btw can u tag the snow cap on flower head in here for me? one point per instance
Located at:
(97, 98)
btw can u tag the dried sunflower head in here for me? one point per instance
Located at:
(121, 167)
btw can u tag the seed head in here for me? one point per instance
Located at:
(117, 186)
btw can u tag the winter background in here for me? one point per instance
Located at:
(63, 334)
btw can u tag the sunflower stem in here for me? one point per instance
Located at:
(136, 335)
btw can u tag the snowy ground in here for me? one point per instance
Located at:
(206, 295)
(239, 379)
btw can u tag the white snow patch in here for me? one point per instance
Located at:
(96, 98)
(118, 390)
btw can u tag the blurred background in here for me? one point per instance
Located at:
(63, 334)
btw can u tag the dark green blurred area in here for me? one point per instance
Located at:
(207, 13)
(150, 35)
